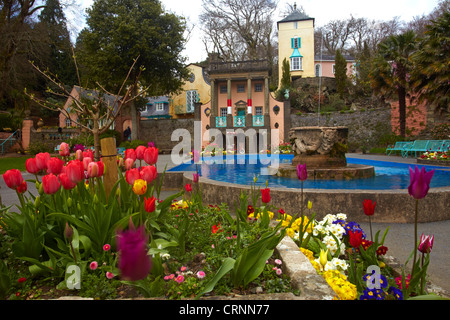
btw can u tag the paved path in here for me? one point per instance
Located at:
(399, 240)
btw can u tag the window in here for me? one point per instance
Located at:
(318, 70)
(240, 88)
(191, 98)
(258, 111)
(334, 68)
(223, 89)
(223, 112)
(159, 106)
(258, 87)
(68, 122)
(295, 24)
(296, 63)
(296, 43)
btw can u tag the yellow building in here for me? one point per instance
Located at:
(296, 44)
(195, 89)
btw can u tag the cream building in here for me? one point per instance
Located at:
(296, 44)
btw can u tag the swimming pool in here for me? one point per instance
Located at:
(388, 175)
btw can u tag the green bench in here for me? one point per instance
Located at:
(399, 146)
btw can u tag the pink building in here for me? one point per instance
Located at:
(324, 66)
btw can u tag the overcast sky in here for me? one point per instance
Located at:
(321, 10)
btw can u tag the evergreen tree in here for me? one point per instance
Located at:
(53, 25)
(118, 32)
(340, 74)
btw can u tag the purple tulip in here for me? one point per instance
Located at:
(302, 174)
(133, 262)
(195, 177)
(420, 182)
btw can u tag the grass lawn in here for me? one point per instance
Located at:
(13, 163)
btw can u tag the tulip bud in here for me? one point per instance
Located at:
(37, 201)
(323, 257)
(95, 199)
(78, 207)
(69, 202)
(68, 231)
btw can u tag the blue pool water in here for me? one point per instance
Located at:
(388, 175)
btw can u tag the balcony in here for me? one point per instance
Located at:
(238, 66)
(239, 122)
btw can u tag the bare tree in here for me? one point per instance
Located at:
(238, 29)
(99, 113)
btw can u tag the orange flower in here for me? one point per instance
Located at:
(140, 186)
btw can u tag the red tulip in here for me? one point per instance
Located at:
(151, 155)
(66, 182)
(50, 183)
(86, 161)
(148, 173)
(41, 160)
(131, 175)
(55, 165)
(265, 195)
(13, 178)
(420, 182)
(188, 187)
(150, 204)
(302, 174)
(31, 166)
(355, 238)
(88, 154)
(369, 207)
(64, 149)
(133, 262)
(140, 150)
(75, 171)
(426, 243)
(130, 154)
(101, 168)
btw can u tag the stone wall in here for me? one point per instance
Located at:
(160, 132)
(365, 127)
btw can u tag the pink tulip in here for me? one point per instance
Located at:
(92, 169)
(41, 160)
(195, 177)
(140, 152)
(55, 165)
(133, 262)
(148, 173)
(426, 243)
(196, 156)
(79, 155)
(50, 183)
(128, 163)
(131, 175)
(31, 166)
(64, 149)
(75, 171)
(420, 182)
(151, 155)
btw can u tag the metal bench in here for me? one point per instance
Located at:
(417, 146)
(399, 146)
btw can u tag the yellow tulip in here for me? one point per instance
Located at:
(309, 205)
(140, 186)
(323, 258)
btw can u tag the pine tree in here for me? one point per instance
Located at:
(340, 74)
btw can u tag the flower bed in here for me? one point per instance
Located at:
(74, 238)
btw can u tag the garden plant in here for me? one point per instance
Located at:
(74, 238)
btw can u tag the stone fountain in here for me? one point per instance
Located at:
(323, 151)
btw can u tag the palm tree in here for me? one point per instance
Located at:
(431, 77)
(391, 70)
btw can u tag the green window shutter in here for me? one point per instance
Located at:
(296, 43)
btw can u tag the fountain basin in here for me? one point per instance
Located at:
(351, 171)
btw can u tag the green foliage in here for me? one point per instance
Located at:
(121, 31)
(340, 74)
